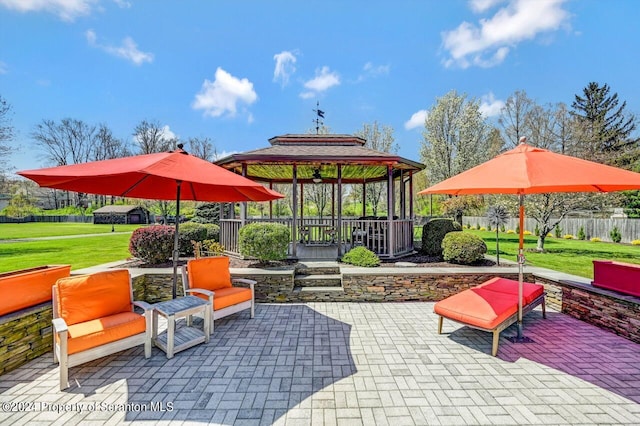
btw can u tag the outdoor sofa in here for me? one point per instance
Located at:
(491, 306)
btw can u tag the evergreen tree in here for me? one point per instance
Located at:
(605, 128)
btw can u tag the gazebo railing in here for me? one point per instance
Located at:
(371, 233)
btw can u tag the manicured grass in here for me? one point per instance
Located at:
(571, 256)
(10, 231)
(78, 252)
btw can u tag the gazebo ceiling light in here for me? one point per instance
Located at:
(317, 178)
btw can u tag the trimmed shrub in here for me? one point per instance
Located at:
(433, 233)
(264, 241)
(153, 244)
(595, 240)
(213, 231)
(511, 231)
(212, 247)
(464, 248)
(581, 234)
(361, 256)
(615, 235)
(482, 228)
(635, 243)
(558, 231)
(190, 231)
(526, 233)
(502, 228)
(568, 237)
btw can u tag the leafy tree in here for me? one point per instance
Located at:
(606, 127)
(455, 137)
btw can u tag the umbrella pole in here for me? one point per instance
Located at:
(520, 265)
(176, 242)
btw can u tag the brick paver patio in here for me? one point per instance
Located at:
(346, 364)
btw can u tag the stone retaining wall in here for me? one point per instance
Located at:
(606, 309)
(25, 335)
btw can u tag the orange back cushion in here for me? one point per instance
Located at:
(88, 297)
(209, 273)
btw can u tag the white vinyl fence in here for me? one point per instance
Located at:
(600, 228)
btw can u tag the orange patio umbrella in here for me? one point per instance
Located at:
(174, 175)
(530, 170)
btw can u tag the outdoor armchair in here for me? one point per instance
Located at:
(210, 278)
(93, 317)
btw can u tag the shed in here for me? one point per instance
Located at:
(121, 215)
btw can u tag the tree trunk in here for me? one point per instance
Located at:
(541, 238)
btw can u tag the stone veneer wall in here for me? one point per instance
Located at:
(606, 309)
(25, 335)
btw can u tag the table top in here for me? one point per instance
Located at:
(180, 304)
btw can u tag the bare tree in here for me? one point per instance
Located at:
(514, 117)
(6, 134)
(379, 138)
(202, 148)
(151, 137)
(70, 141)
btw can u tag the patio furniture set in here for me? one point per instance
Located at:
(93, 315)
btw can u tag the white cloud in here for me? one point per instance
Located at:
(490, 106)
(3, 68)
(128, 50)
(489, 43)
(416, 120)
(479, 6)
(168, 133)
(67, 10)
(285, 67)
(371, 70)
(223, 95)
(323, 80)
(224, 154)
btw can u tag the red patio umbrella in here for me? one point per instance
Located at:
(172, 175)
(530, 170)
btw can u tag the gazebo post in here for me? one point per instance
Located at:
(411, 214)
(403, 198)
(243, 205)
(270, 203)
(339, 196)
(364, 199)
(390, 209)
(294, 212)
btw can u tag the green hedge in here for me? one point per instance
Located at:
(153, 244)
(361, 256)
(433, 233)
(264, 241)
(462, 247)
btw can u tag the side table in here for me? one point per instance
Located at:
(173, 340)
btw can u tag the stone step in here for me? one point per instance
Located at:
(318, 289)
(318, 280)
(319, 268)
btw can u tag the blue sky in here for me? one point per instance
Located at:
(241, 72)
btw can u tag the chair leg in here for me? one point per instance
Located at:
(440, 319)
(63, 359)
(544, 309)
(496, 340)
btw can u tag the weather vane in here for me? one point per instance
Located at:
(319, 115)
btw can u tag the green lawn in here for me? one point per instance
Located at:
(571, 256)
(10, 231)
(78, 252)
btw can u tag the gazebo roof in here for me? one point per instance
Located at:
(311, 152)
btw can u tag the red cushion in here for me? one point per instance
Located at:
(478, 307)
(503, 285)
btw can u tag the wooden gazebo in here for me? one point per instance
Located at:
(336, 160)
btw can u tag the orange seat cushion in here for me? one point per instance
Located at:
(530, 291)
(478, 307)
(29, 287)
(228, 297)
(209, 273)
(88, 297)
(90, 334)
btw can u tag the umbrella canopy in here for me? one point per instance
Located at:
(530, 170)
(172, 175)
